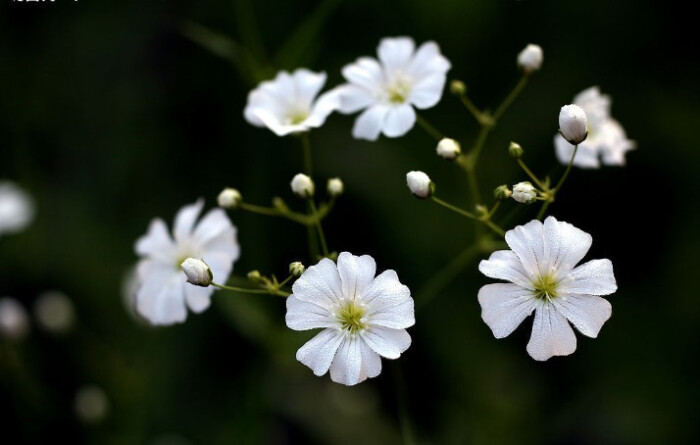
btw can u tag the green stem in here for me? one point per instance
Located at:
(490, 224)
(277, 292)
(478, 146)
(566, 172)
(428, 127)
(271, 211)
(530, 174)
(478, 115)
(543, 209)
(306, 147)
(511, 97)
(319, 229)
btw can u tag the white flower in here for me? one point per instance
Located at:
(606, 141)
(54, 312)
(363, 317)
(229, 198)
(302, 185)
(335, 187)
(197, 272)
(286, 104)
(524, 192)
(530, 58)
(544, 278)
(16, 208)
(573, 124)
(164, 295)
(14, 323)
(419, 184)
(448, 148)
(387, 89)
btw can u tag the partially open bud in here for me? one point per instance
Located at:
(515, 150)
(573, 124)
(254, 275)
(335, 187)
(502, 192)
(419, 184)
(296, 269)
(458, 87)
(229, 198)
(302, 185)
(197, 272)
(524, 192)
(448, 148)
(14, 323)
(530, 58)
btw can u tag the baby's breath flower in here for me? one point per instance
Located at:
(335, 187)
(197, 272)
(16, 208)
(302, 186)
(448, 148)
(530, 58)
(229, 198)
(524, 192)
(296, 268)
(419, 184)
(14, 323)
(573, 124)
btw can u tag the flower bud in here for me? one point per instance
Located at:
(524, 192)
(254, 275)
(502, 192)
(515, 150)
(448, 148)
(54, 312)
(419, 183)
(229, 198)
(302, 186)
(458, 87)
(14, 323)
(530, 58)
(296, 269)
(197, 272)
(335, 187)
(573, 124)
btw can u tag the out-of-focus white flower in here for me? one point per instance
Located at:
(388, 88)
(573, 124)
(363, 317)
(286, 104)
(197, 272)
(164, 294)
(16, 208)
(54, 312)
(229, 198)
(448, 148)
(530, 59)
(606, 141)
(335, 187)
(543, 277)
(91, 404)
(14, 323)
(419, 184)
(524, 192)
(302, 185)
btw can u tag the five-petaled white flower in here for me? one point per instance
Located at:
(286, 104)
(541, 268)
(606, 141)
(163, 294)
(403, 77)
(363, 317)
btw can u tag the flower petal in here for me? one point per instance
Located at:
(595, 277)
(156, 243)
(318, 352)
(274, 123)
(586, 155)
(389, 343)
(427, 61)
(212, 224)
(220, 263)
(586, 312)
(356, 272)
(505, 265)
(389, 303)
(564, 245)
(504, 306)
(320, 284)
(366, 73)
(162, 302)
(527, 243)
(348, 367)
(427, 92)
(399, 120)
(326, 104)
(396, 53)
(354, 98)
(302, 315)
(307, 85)
(198, 298)
(369, 124)
(551, 334)
(185, 219)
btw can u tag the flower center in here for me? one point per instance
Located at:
(296, 117)
(351, 317)
(399, 89)
(546, 287)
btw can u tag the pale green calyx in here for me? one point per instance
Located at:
(351, 317)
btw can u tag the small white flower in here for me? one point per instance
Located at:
(286, 104)
(388, 88)
(302, 185)
(16, 208)
(524, 192)
(163, 296)
(544, 278)
(14, 323)
(419, 184)
(197, 272)
(229, 198)
(363, 317)
(54, 312)
(606, 141)
(335, 187)
(530, 59)
(91, 404)
(448, 148)
(573, 124)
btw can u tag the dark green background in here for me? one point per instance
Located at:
(109, 116)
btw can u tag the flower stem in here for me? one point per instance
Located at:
(530, 174)
(319, 229)
(428, 127)
(568, 169)
(511, 97)
(478, 115)
(306, 148)
(244, 290)
(485, 220)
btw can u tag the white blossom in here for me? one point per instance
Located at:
(388, 88)
(14, 323)
(229, 198)
(419, 184)
(197, 272)
(16, 208)
(530, 58)
(573, 124)
(164, 295)
(54, 312)
(287, 104)
(302, 185)
(524, 192)
(448, 148)
(607, 141)
(544, 277)
(362, 316)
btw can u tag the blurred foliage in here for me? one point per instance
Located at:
(113, 113)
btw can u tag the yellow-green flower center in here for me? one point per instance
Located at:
(351, 317)
(546, 287)
(297, 117)
(399, 90)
